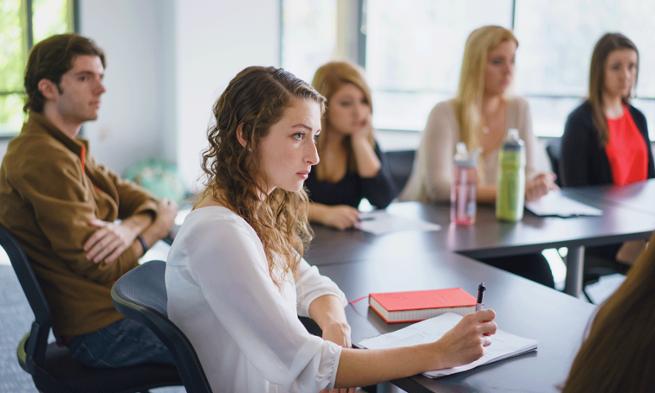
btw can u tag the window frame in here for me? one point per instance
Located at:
(27, 16)
(361, 60)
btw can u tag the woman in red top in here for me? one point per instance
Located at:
(605, 139)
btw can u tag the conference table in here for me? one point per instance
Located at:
(622, 220)
(361, 263)
(638, 196)
(556, 320)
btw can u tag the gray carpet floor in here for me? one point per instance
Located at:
(15, 321)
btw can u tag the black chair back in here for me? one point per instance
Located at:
(140, 294)
(400, 163)
(35, 347)
(553, 149)
(51, 366)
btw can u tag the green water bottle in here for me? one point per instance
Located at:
(510, 193)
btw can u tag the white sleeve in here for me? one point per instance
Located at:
(535, 155)
(228, 263)
(311, 285)
(439, 139)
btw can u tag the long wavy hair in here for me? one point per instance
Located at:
(618, 353)
(608, 43)
(468, 102)
(328, 79)
(252, 102)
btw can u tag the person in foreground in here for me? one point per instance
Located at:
(480, 116)
(352, 165)
(605, 139)
(618, 354)
(62, 206)
(236, 279)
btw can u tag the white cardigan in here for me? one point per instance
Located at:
(244, 328)
(433, 166)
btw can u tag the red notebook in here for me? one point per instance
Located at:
(413, 306)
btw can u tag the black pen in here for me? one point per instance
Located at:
(366, 218)
(478, 305)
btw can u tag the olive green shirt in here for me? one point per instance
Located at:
(50, 190)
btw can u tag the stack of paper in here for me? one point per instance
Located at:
(556, 204)
(503, 344)
(380, 222)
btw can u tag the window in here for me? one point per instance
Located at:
(414, 49)
(557, 38)
(413, 52)
(309, 35)
(22, 23)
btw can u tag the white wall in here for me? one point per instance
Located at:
(129, 124)
(214, 40)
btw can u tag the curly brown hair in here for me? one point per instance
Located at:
(252, 102)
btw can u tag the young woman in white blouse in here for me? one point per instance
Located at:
(235, 277)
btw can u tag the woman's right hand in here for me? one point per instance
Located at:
(465, 342)
(340, 217)
(539, 186)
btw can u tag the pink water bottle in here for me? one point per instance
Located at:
(463, 190)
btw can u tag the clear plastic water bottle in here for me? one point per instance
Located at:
(510, 194)
(463, 190)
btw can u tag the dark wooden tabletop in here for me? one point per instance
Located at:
(488, 237)
(638, 196)
(361, 263)
(525, 308)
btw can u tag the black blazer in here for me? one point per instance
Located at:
(583, 160)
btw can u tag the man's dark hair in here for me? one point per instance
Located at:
(52, 58)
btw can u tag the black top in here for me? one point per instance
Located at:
(584, 160)
(350, 190)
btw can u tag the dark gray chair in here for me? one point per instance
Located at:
(51, 366)
(400, 163)
(553, 150)
(140, 294)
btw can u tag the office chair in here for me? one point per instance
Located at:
(554, 152)
(52, 367)
(400, 163)
(140, 294)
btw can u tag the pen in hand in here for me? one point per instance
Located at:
(481, 289)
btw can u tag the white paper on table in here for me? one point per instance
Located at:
(503, 344)
(380, 222)
(556, 204)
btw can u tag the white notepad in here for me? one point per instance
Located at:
(380, 222)
(503, 344)
(556, 204)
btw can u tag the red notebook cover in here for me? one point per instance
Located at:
(392, 304)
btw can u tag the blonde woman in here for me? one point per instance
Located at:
(351, 165)
(480, 116)
(236, 279)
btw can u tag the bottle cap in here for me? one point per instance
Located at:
(462, 156)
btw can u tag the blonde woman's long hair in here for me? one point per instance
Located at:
(328, 79)
(253, 102)
(468, 102)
